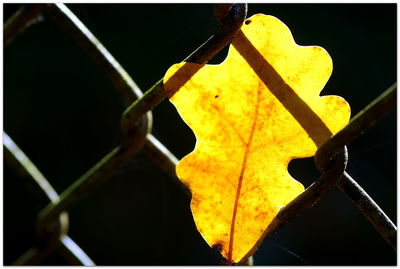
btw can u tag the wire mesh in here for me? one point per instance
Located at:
(136, 121)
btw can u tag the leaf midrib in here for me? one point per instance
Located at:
(244, 163)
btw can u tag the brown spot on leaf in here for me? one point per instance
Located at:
(217, 247)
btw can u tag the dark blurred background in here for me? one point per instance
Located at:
(64, 113)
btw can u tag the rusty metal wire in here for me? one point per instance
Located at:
(17, 158)
(331, 159)
(136, 133)
(230, 25)
(365, 119)
(369, 208)
(20, 20)
(132, 143)
(312, 194)
(327, 162)
(120, 79)
(136, 121)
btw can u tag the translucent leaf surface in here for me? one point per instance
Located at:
(251, 115)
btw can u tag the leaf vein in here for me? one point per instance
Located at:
(240, 181)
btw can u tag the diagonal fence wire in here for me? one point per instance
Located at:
(121, 154)
(365, 119)
(331, 158)
(17, 158)
(326, 160)
(369, 209)
(21, 20)
(138, 132)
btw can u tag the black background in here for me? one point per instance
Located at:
(64, 113)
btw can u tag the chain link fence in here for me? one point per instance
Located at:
(136, 125)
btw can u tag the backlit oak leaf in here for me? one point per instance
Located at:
(251, 115)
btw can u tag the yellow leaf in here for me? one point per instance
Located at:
(251, 115)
